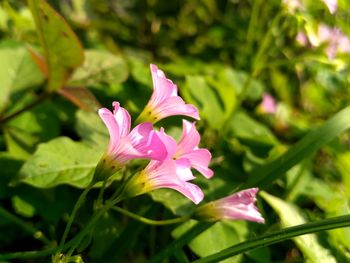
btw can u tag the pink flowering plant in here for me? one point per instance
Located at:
(180, 131)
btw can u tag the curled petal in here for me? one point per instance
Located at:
(123, 119)
(168, 141)
(191, 191)
(175, 106)
(112, 126)
(189, 139)
(240, 205)
(200, 159)
(167, 174)
(183, 170)
(162, 87)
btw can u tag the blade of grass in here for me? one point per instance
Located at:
(180, 242)
(315, 139)
(278, 236)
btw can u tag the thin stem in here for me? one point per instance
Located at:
(255, 71)
(78, 204)
(38, 100)
(151, 221)
(91, 224)
(252, 21)
(28, 228)
(278, 236)
(73, 242)
(100, 194)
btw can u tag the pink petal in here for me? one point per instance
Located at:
(332, 5)
(164, 175)
(200, 159)
(183, 170)
(168, 141)
(112, 126)
(123, 119)
(189, 139)
(191, 191)
(163, 87)
(268, 104)
(176, 106)
(146, 141)
(240, 205)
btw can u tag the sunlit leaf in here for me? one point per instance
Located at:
(62, 49)
(100, 67)
(290, 215)
(17, 73)
(81, 97)
(60, 161)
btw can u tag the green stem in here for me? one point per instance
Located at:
(278, 236)
(91, 224)
(72, 243)
(255, 71)
(26, 227)
(100, 194)
(78, 204)
(252, 22)
(150, 221)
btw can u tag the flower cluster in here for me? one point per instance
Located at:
(332, 38)
(171, 162)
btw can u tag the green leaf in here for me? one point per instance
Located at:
(206, 99)
(9, 168)
(62, 49)
(100, 67)
(290, 215)
(218, 237)
(249, 130)
(36, 125)
(17, 73)
(60, 161)
(315, 139)
(22, 207)
(91, 129)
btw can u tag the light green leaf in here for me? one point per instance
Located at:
(343, 165)
(290, 215)
(60, 161)
(22, 207)
(100, 67)
(91, 129)
(206, 99)
(62, 49)
(249, 130)
(24, 132)
(221, 235)
(17, 73)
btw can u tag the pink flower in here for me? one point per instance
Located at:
(187, 148)
(332, 5)
(173, 174)
(164, 101)
(240, 205)
(302, 39)
(124, 145)
(268, 104)
(335, 41)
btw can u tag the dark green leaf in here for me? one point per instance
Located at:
(60, 161)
